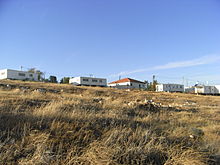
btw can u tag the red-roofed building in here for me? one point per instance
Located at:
(127, 83)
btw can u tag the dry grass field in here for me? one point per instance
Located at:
(43, 123)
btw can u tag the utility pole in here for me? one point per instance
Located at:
(183, 81)
(21, 68)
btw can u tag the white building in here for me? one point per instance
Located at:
(170, 88)
(88, 81)
(17, 75)
(127, 83)
(218, 88)
(203, 89)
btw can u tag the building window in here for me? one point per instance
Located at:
(100, 81)
(94, 80)
(131, 84)
(21, 74)
(85, 79)
(31, 75)
(3, 73)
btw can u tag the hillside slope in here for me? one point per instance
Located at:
(43, 123)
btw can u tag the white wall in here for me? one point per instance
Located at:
(199, 89)
(218, 88)
(159, 88)
(128, 85)
(75, 81)
(18, 75)
(3, 74)
(90, 81)
(119, 84)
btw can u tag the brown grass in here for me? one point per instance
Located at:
(84, 125)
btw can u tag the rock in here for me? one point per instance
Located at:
(195, 133)
(138, 100)
(53, 91)
(17, 90)
(148, 101)
(132, 103)
(10, 86)
(41, 90)
(24, 88)
(98, 100)
(191, 136)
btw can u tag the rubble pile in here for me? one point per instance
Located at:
(153, 106)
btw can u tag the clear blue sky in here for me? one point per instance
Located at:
(107, 38)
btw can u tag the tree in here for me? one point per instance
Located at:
(65, 80)
(53, 79)
(146, 83)
(154, 85)
(39, 73)
(151, 86)
(46, 80)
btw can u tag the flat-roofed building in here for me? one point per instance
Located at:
(88, 81)
(18, 75)
(203, 89)
(169, 88)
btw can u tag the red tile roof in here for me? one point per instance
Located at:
(126, 80)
